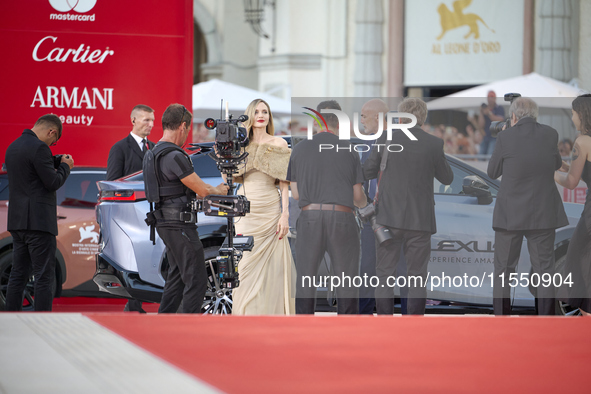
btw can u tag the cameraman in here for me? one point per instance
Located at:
(406, 205)
(526, 155)
(187, 277)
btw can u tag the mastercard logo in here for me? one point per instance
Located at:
(76, 5)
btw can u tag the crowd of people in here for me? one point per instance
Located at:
(468, 142)
(476, 138)
(456, 142)
(329, 186)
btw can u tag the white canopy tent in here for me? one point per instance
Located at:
(553, 97)
(207, 98)
(547, 92)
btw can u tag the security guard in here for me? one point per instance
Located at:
(173, 219)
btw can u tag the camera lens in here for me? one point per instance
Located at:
(382, 233)
(497, 126)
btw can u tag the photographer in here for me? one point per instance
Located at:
(488, 114)
(175, 223)
(526, 155)
(34, 175)
(405, 205)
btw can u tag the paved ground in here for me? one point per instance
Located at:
(69, 353)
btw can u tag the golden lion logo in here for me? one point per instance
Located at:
(457, 18)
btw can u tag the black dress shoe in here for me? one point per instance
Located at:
(133, 306)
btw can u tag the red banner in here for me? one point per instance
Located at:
(577, 195)
(90, 62)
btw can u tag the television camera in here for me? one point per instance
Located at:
(228, 153)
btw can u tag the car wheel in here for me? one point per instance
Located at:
(562, 308)
(29, 298)
(218, 300)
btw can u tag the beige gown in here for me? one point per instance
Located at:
(267, 273)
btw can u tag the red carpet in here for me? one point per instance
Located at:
(360, 354)
(91, 304)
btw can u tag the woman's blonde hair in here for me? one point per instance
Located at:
(250, 113)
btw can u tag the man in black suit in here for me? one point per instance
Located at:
(327, 185)
(405, 205)
(528, 203)
(370, 118)
(32, 212)
(126, 156)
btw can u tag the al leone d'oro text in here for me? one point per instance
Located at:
(456, 48)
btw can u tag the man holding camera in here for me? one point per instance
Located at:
(34, 175)
(177, 182)
(488, 114)
(526, 155)
(405, 205)
(327, 184)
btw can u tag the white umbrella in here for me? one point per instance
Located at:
(207, 98)
(547, 92)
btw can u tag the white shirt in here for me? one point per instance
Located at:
(138, 139)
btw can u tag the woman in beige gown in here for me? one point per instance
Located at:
(267, 273)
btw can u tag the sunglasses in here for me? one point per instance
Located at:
(56, 140)
(183, 116)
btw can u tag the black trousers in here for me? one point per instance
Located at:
(540, 244)
(417, 250)
(367, 301)
(578, 266)
(187, 276)
(337, 233)
(33, 253)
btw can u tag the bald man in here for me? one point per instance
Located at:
(370, 117)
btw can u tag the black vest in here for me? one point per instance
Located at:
(157, 188)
